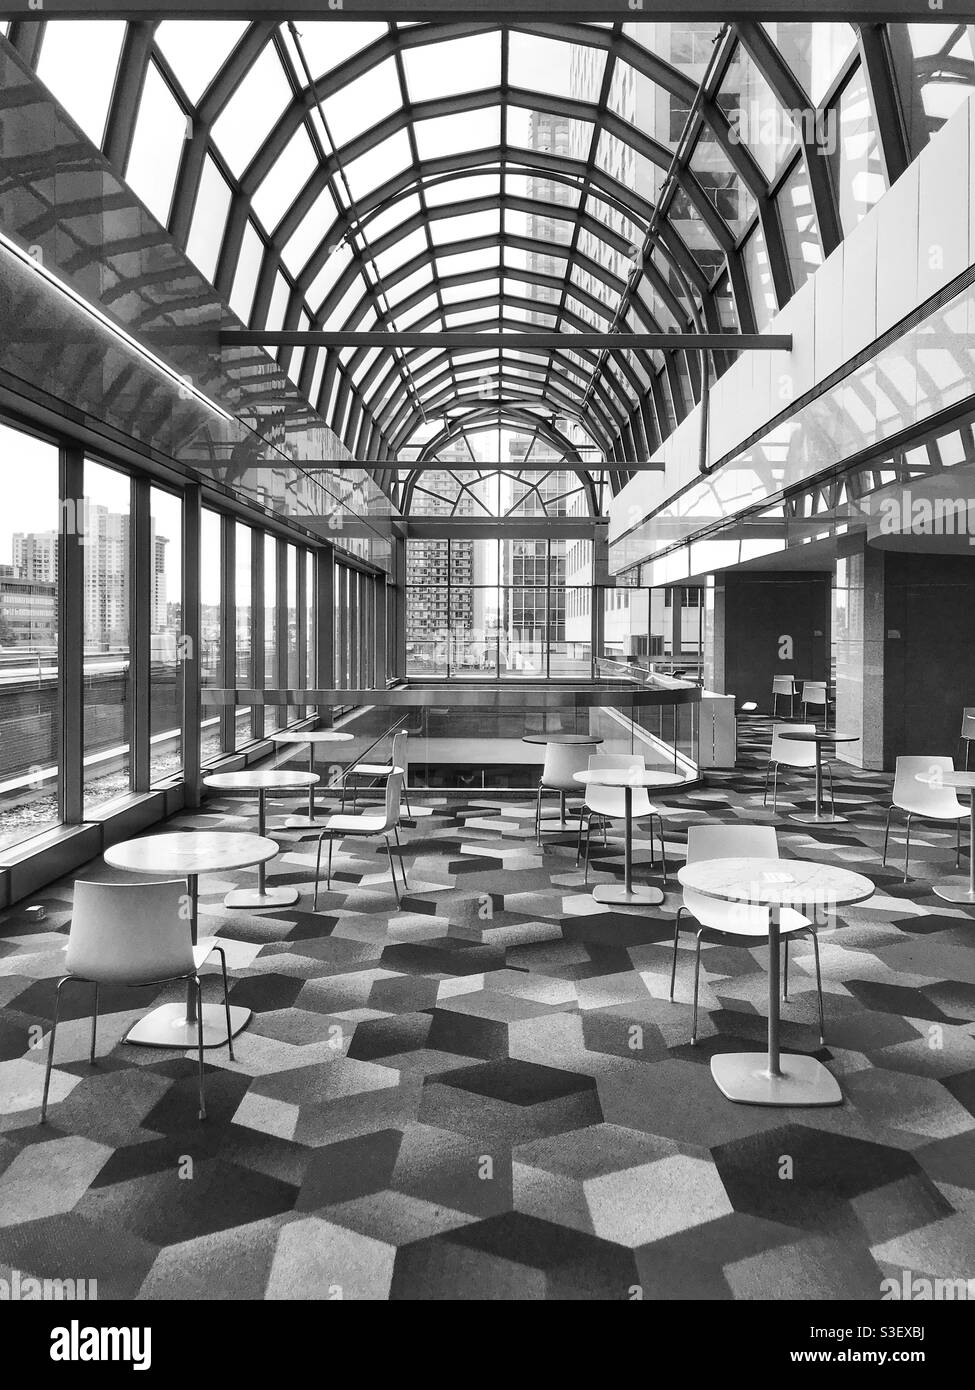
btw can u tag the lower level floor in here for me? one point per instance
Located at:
(490, 1093)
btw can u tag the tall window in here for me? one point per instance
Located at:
(243, 664)
(166, 633)
(211, 621)
(108, 694)
(270, 623)
(29, 719)
(291, 634)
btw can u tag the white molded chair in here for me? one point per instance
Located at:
(380, 771)
(814, 693)
(606, 804)
(562, 762)
(928, 801)
(787, 753)
(134, 934)
(967, 735)
(783, 688)
(366, 824)
(742, 920)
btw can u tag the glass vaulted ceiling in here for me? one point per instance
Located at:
(353, 175)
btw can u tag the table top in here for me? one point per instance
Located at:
(191, 852)
(820, 736)
(937, 778)
(270, 779)
(562, 738)
(312, 736)
(775, 882)
(628, 777)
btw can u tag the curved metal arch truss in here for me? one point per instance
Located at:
(419, 219)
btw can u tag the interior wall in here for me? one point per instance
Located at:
(764, 625)
(929, 652)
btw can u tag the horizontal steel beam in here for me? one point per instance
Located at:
(679, 11)
(512, 342)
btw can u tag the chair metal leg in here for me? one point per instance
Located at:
(402, 862)
(50, 1047)
(588, 842)
(226, 1000)
(785, 969)
(775, 790)
(907, 847)
(392, 871)
(673, 967)
(318, 872)
(697, 977)
(583, 817)
(94, 1027)
(538, 816)
(886, 834)
(199, 1042)
(663, 846)
(406, 802)
(328, 871)
(768, 773)
(819, 986)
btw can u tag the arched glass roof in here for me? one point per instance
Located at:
(565, 176)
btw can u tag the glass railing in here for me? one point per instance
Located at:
(468, 735)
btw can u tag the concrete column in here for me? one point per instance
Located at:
(762, 624)
(859, 636)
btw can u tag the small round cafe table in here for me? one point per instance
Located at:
(262, 782)
(313, 738)
(576, 741)
(816, 890)
(187, 854)
(626, 894)
(821, 736)
(957, 892)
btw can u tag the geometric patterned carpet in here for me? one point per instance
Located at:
(489, 1094)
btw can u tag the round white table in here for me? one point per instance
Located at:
(262, 782)
(821, 736)
(187, 854)
(964, 781)
(625, 894)
(562, 823)
(313, 737)
(813, 889)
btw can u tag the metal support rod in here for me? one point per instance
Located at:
(515, 342)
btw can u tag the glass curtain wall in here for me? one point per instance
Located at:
(30, 523)
(130, 570)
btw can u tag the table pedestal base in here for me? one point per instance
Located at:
(559, 825)
(168, 1026)
(955, 892)
(306, 822)
(815, 818)
(621, 896)
(744, 1077)
(254, 897)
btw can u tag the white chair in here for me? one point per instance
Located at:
(814, 693)
(606, 804)
(562, 762)
(783, 688)
(787, 753)
(380, 771)
(739, 920)
(929, 801)
(366, 824)
(134, 934)
(967, 735)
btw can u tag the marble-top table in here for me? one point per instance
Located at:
(818, 737)
(816, 890)
(625, 894)
(187, 854)
(313, 738)
(261, 781)
(964, 781)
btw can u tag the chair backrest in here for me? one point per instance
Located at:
(968, 723)
(130, 933)
(786, 750)
(923, 798)
(814, 692)
(394, 790)
(611, 801)
(397, 752)
(562, 762)
(783, 685)
(731, 842)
